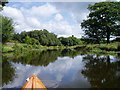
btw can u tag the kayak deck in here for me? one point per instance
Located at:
(34, 82)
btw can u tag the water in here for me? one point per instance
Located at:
(61, 69)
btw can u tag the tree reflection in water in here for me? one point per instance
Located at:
(43, 58)
(36, 58)
(8, 71)
(101, 72)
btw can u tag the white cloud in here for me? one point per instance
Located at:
(13, 13)
(33, 22)
(58, 17)
(42, 17)
(43, 11)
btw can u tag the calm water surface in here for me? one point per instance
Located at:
(61, 69)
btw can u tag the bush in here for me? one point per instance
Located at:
(31, 41)
(17, 47)
(70, 41)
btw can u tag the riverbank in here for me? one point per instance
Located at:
(95, 48)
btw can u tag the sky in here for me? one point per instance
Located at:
(60, 18)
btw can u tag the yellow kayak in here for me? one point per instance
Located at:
(34, 82)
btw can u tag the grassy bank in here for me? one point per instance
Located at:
(95, 48)
(103, 48)
(25, 47)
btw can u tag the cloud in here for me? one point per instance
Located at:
(58, 17)
(33, 22)
(58, 0)
(77, 10)
(13, 13)
(47, 16)
(43, 11)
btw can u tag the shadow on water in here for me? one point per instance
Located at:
(100, 70)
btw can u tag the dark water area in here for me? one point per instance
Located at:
(61, 69)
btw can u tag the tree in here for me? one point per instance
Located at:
(102, 20)
(64, 41)
(7, 28)
(43, 36)
(73, 41)
(31, 41)
(28, 40)
(70, 41)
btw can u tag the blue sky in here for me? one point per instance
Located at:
(61, 18)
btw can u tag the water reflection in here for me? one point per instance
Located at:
(57, 72)
(67, 68)
(36, 58)
(101, 72)
(8, 71)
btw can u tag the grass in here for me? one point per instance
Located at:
(109, 47)
(106, 47)
(95, 48)
(26, 47)
(7, 48)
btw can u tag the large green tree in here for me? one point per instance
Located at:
(102, 21)
(7, 28)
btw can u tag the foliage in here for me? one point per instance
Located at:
(7, 28)
(18, 47)
(103, 21)
(70, 41)
(7, 48)
(88, 40)
(43, 36)
(31, 41)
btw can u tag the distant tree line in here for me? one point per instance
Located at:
(70, 41)
(44, 37)
(41, 36)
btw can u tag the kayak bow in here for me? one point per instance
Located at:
(34, 82)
